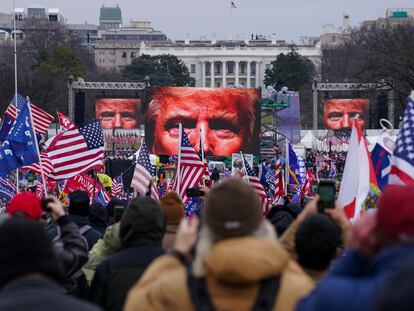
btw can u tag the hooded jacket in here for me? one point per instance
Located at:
(235, 270)
(141, 232)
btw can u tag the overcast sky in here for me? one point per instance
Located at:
(288, 19)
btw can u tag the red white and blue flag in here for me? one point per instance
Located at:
(117, 186)
(191, 168)
(402, 160)
(142, 180)
(254, 181)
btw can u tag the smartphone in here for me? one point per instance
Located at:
(327, 195)
(118, 212)
(194, 192)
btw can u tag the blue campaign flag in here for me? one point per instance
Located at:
(10, 115)
(19, 148)
(294, 167)
(268, 180)
(7, 190)
(381, 159)
(6, 125)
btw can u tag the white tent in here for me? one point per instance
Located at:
(308, 140)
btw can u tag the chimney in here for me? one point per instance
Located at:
(345, 22)
(274, 39)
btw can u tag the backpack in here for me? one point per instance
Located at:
(265, 299)
(76, 283)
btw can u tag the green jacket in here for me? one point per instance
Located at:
(108, 245)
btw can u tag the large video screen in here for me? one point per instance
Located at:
(340, 113)
(118, 112)
(227, 119)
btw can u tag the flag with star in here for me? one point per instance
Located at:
(402, 160)
(143, 174)
(77, 150)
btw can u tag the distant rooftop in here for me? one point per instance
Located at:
(110, 13)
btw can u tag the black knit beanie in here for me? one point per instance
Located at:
(25, 248)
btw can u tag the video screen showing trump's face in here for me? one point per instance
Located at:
(340, 113)
(227, 119)
(118, 112)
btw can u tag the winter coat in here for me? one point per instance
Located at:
(354, 282)
(91, 236)
(108, 245)
(141, 232)
(235, 269)
(39, 294)
(73, 251)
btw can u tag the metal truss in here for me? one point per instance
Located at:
(83, 85)
(351, 86)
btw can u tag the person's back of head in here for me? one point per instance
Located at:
(143, 222)
(173, 208)
(25, 204)
(316, 242)
(396, 227)
(26, 249)
(282, 216)
(79, 203)
(232, 209)
(97, 215)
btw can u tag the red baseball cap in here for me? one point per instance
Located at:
(26, 203)
(395, 215)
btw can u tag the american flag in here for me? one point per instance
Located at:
(191, 168)
(307, 185)
(143, 173)
(117, 186)
(280, 185)
(46, 164)
(254, 181)
(77, 150)
(41, 118)
(402, 160)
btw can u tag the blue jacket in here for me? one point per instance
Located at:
(353, 283)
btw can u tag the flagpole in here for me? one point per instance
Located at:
(37, 147)
(180, 138)
(244, 167)
(202, 144)
(15, 78)
(286, 166)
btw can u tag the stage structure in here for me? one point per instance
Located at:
(276, 102)
(80, 84)
(335, 87)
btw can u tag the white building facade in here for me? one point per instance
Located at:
(229, 63)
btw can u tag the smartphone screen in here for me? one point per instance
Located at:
(327, 193)
(118, 212)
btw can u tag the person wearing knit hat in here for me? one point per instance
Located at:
(173, 209)
(236, 255)
(380, 242)
(30, 270)
(27, 204)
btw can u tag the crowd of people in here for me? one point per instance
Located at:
(145, 255)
